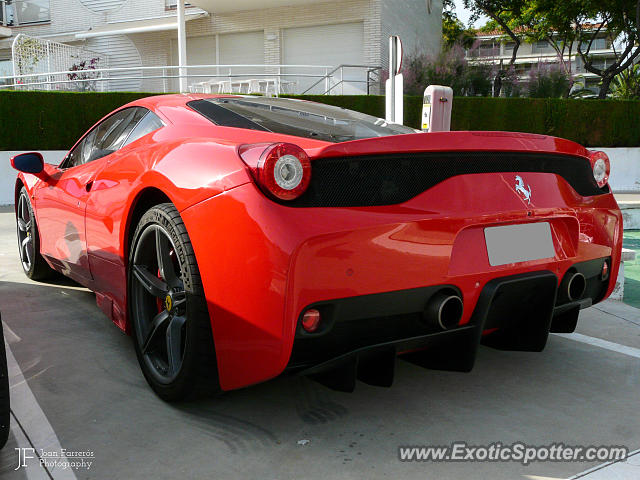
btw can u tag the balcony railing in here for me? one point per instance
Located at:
(14, 13)
(242, 79)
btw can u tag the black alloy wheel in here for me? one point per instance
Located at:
(171, 325)
(33, 264)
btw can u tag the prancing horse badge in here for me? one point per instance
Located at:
(525, 193)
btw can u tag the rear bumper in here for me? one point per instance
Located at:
(263, 264)
(361, 336)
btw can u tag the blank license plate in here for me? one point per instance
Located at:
(519, 243)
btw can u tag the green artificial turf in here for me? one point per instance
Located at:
(631, 240)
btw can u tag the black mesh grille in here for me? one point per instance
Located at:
(391, 179)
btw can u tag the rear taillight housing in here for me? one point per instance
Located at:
(283, 170)
(601, 167)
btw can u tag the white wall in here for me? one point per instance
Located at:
(417, 22)
(625, 170)
(8, 174)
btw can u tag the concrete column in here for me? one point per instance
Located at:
(182, 47)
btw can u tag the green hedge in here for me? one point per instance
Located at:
(593, 123)
(54, 121)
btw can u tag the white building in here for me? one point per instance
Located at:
(143, 33)
(495, 47)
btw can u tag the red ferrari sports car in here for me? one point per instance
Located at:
(238, 238)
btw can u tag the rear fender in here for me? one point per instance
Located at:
(213, 169)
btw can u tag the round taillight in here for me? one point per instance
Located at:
(601, 168)
(311, 320)
(284, 171)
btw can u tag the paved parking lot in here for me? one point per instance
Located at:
(76, 385)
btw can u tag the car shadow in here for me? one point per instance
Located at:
(84, 373)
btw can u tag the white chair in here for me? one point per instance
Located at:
(210, 86)
(197, 87)
(254, 86)
(225, 87)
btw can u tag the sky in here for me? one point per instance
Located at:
(464, 14)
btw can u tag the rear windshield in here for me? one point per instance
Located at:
(295, 117)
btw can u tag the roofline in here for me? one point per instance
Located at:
(519, 31)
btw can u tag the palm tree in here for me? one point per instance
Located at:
(626, 85)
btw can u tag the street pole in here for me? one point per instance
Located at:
(394, 87)
(393, 61)
(182, 47)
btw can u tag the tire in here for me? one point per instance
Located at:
(4, 393)
(33, 264)
(171, 327)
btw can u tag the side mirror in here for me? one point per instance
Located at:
(28, 162)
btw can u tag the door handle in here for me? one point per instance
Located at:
(88, 186)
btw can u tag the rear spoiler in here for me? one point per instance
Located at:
(476, 141)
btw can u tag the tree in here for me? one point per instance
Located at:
(533, 25)
(453, 30)
(536, 25)
(547, 81)
(620, 20)
(502, 13)
(449, 67)
(580, 22)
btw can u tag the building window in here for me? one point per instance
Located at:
(598, 44)
(487, 50)
(542, 46)
(24, 12)
(508, 48)
(600, 63)
(523, 68)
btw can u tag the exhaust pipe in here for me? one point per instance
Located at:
(574, 285)
(444, 310)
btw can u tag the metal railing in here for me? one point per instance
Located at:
(276, 79)
(373, 77)
(14, 13)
